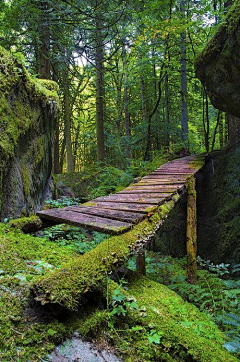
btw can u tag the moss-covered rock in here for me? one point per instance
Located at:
(185, 333)
(219, 207)
(218, 66)
(27, 114)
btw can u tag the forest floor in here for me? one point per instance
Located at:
(136, 318)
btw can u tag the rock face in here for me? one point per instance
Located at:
(27, 115)
(218, 68)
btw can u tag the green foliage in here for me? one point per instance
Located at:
(147, 321)
(63, 201)
(212, 294)
(74, 238)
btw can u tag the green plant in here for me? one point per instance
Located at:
(75, 238)
(62, 202)
(213, 293)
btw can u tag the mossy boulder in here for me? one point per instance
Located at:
(218, 66)
(27, 115)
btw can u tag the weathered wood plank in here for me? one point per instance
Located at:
(135, 207)
(153, 188)
(140, 199)
(170, 173)
(160, 177)
(92, 222)
(153, 182)
(125, 215)
(147, 192)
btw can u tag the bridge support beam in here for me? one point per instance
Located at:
(141, 263)
(192, 230)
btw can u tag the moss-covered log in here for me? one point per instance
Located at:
(192, 230)
(67, 285)
(27, 115)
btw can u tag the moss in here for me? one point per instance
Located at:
(26, 180)
(67, 285)
(49, 84)
(25, 334)
(26, 223)
(186, 333)
(226, 28)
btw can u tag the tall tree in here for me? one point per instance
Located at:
(183, 71)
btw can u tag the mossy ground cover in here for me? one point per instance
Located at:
(24, 336)
(147, 321)
(29, 333)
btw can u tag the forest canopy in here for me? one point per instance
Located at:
(126, 74)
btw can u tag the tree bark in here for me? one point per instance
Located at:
(67, 122)
(192, 230)
(56, 158)
(126, 103)
(43, 51)
(183, 71)
(141, 263)
(99, 90)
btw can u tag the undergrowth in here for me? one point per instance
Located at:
(217, 290)
(97, 180)
(74, 238)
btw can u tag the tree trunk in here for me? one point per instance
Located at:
(56, 158)
(44, 46)
(67, 122)
(126, 103)
(183, 71)
(141, 263)
(192, 231)
(221, 131)
(99, 91)
(167, 111)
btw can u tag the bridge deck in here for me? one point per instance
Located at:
(117, 213)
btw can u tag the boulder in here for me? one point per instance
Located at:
(28, 110)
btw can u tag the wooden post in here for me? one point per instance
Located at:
(141, 263)
(192, 230)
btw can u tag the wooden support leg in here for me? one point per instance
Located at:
(141, 263)
(192, 230)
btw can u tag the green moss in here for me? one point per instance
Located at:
(67, 285)
(226, 28)
(26, 179)
(24, 222)
(49, 84)
(22, 100)
(24, 336)
(186, 333)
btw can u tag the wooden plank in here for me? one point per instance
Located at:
(127, 216)
(170, 173)
(92, 222)
(147, 193)
(153, 182)
(140, 199)
(159, 177)
(135, 207)
(153, 188)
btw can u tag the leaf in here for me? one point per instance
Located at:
(155, 337)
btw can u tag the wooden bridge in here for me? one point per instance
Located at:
(136, 213)
(119, 212)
